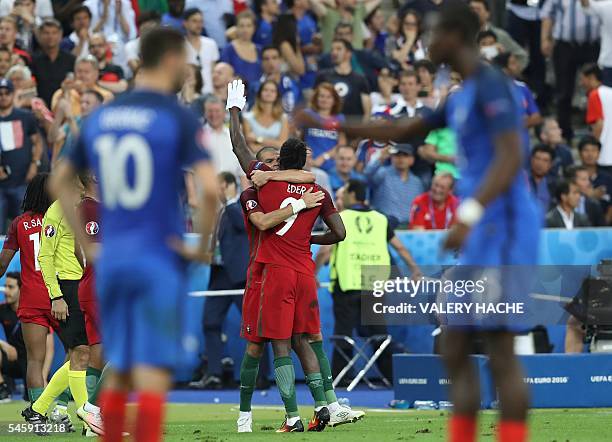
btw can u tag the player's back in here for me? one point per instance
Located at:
(138, 147)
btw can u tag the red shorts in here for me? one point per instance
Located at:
(288, 303)
(89, 307)
(39, 316)
(250, 303)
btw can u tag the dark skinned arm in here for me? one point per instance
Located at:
(335, 234)
(5, 259)
(239, 144)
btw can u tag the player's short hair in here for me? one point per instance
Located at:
(589, 140)
(78, 10)
(86, 178)
(265, 149)
(543, 148)
(591, 69)
(36, 198)
(293, 154)
(563, 188)
(456, 16)
(359, 188)
(147, 16)
(347, 45)
(16, 276)
(228, 178)
(572, 171)
(159, 42)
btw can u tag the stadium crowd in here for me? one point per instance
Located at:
(339, 59)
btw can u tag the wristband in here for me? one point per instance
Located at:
(57, 298)
(469, 212)
(298, 206)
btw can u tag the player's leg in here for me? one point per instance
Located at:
(90, 412)
(465, 387)
(35, 339)
(284, 374)
(248, 377)
(112, 402)
(151, 384)
(513, 394)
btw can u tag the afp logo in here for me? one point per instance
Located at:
(92, 228)
(49, 231)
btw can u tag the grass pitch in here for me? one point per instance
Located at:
(216, 423)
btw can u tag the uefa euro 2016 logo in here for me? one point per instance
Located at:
(49, 231)
(92, 228)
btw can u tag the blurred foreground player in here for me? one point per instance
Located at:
(497, 223)
(138, 147)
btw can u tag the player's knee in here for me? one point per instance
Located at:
(255, 350)
(79, 357)
(315, 338)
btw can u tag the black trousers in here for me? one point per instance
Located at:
(347, 317)
(568, 58)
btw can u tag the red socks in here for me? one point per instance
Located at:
(512, 431)
(462, 428)
(150, 417)
(112, 403)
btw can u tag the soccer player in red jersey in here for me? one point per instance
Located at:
(34, 310)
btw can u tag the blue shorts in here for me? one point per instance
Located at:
(141, 310)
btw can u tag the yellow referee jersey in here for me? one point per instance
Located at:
(56, 256)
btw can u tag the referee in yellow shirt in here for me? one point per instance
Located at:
(62, 271)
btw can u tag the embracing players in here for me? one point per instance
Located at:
(498, 221)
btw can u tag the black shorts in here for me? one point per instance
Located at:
(72, 331)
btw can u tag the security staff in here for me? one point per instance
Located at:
(368, 235)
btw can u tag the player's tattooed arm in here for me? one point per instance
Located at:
(335, 234)
(265, 221)
(239, 145)
(260, 177)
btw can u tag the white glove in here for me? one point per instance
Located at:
(235, 95)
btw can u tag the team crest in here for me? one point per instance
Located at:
(92, 228)
(49, 231)
(251, 204)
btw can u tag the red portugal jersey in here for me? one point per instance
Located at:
(88, 209)
(250, 204)
(24, 236)
(288, 244)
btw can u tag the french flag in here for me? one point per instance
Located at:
(11, 135)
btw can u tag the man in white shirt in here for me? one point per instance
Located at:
(201, 51)
(146, 20)
(114, 18)
(564, 216)
(603, 10)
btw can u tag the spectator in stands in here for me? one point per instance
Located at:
(550, 135)
(564, 215)
(77, 42)
(366, 62)
(325, 104)
(8, 38)
(242, 53)
(285, 38)
(587, 206)
(321, 177)
(603, 11)
(42, 8)
(422, 7)
(222, 74)
(409, 105)
(174, 16)
(51, 64)
(110, 75)
(394, 187)
(429, 93)
(599, 111)
(345, 161)
(440, 148)
(201, 51)
(115, 19)
(385, 98)
(266, 124)
(351, 87)
(481, 8)
(266, 11)
(215, 15)
(435, 209)
(489, 46)
(13, 357)
(406, 47)
(6, 60)
(217, 137)
(146, 20)
(191, 92)
(86, 74)
(575, 38)
(25, 89)
(22, 151)
(350, 11)
(542, 185)
(589, 149)
(376, 41)
(227, 272)
(271, 67)
(27, 21)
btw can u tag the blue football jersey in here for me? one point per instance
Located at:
(138, 147)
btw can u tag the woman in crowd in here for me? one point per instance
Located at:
(429, 93)
(377, 38)
(285, 38)
(266, 124)
(325, 104)
(406, 47)
(191, 91)
(242, 53)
